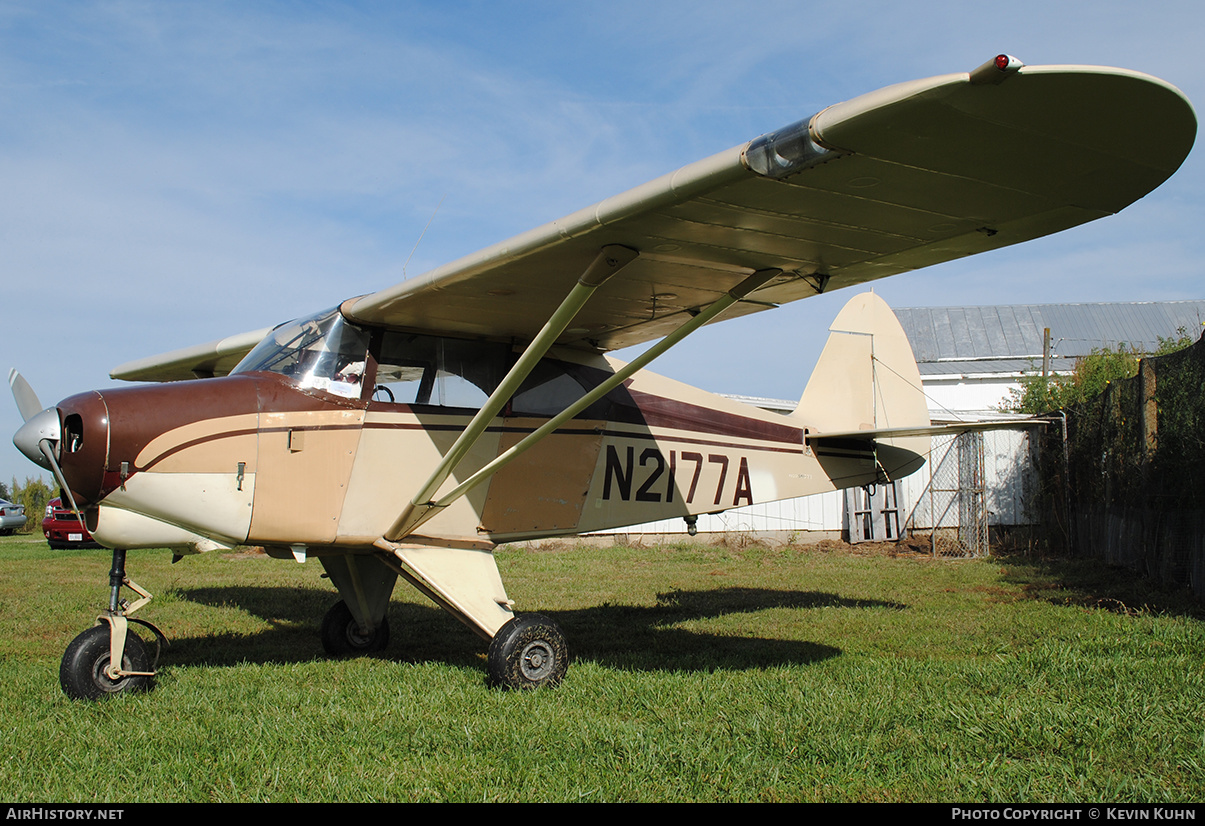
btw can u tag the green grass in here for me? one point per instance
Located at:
(700, 674)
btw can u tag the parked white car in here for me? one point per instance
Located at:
(12, 517)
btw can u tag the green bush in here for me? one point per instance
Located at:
(34, 495)
(1092, 375)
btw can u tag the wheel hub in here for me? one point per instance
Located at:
(106, 675)
(537, 660)
(356, 638)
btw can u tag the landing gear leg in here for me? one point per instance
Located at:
(342, 635)
(104, 661)
(357, 625)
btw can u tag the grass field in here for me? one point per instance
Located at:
(700, 674)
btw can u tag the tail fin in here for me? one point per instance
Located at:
(867, 380)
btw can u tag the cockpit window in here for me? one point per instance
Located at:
(322, 352)
(423, 370)
(445, 372)
(326, 352)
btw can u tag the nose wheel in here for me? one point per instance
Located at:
(87, 671)
(109, 658)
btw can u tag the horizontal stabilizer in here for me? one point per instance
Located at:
(931, 430)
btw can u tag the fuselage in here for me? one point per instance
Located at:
(320, 439)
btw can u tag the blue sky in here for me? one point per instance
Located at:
(174, 172)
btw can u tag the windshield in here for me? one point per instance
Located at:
(323, 352)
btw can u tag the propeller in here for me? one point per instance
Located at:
(39, 438)
(27, 400)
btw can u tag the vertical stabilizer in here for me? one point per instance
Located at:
(866, 378)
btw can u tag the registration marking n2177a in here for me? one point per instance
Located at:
(658, 474)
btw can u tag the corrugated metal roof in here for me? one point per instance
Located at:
(996, 339)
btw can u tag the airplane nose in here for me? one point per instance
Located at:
(70, 440)
(84, 446)
(44, 426)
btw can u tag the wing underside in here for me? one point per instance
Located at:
(911, 175)
(899, 179)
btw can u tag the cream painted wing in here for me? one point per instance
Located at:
(200, 361)
(899, 179)
(908, 176)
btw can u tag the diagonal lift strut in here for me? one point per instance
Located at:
(423, 506)
(610, 260)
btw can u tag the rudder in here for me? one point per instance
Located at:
(866, 379)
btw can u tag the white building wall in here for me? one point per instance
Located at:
(963, 396)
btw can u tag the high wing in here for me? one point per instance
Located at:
(200, 361)
(898, 179)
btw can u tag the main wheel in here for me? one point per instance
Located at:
(341, 635)
(82, 672)
(528, 652)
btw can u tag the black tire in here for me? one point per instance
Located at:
(528, 652)
(82, 671)
(341, 636)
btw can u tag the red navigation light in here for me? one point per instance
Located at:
(996, 70)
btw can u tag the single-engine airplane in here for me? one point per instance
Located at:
(407, 432)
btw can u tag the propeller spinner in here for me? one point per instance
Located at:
(39, 439)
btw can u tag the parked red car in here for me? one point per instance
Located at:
(63, 529)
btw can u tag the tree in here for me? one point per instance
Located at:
(1092, 374)
(34, 495)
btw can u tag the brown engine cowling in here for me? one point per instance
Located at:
(104, 432)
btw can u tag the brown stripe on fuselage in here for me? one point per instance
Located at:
(646, 409)
(139, 415)
(662, 437)
(659, 411)
(625, 434)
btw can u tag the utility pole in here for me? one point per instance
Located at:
(1046, 353)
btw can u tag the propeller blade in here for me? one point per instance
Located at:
(27, 400)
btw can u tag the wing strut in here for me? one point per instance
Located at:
(610, 260)
(407, 523)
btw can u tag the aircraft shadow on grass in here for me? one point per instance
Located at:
(625, 637)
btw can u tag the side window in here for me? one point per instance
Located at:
(405, 369)
(546, 392)
(444, 372)
(554, 385)
(425, 370)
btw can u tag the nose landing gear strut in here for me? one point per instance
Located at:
(109, 658)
